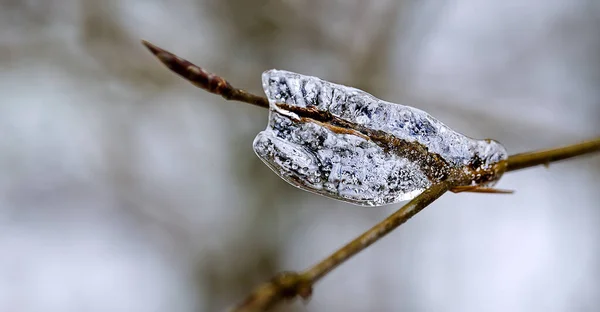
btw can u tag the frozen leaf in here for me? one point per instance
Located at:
(344, 143)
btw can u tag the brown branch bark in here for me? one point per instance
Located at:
(288, 285)
(203, 79)
(545, 157)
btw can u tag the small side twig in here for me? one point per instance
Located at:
(289, 285)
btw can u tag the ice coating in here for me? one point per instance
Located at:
(341, 166)
(347, 154)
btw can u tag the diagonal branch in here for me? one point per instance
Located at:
(203, 79)
(378, 231)
(218, 85)
(289, 285)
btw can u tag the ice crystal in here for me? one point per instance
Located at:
(347, 164)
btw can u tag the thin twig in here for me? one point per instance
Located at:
(203, 79)
(289, 285)
(218, 85)
(545, 157)
(378, 231)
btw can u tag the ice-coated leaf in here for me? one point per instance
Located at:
(344, 143)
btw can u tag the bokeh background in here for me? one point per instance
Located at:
(124, 188)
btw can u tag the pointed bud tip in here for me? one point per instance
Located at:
(164, 56)
(154, 49)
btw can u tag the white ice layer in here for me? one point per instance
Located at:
(348, 167)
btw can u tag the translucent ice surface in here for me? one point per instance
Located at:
(344, 143)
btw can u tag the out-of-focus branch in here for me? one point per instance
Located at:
(289, 285)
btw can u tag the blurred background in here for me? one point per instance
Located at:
(124, 188)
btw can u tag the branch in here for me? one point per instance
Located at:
(203, 79)
(545, 157)
(218, 85)
(289, 285)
